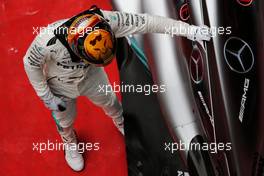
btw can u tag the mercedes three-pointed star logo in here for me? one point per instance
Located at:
(245, 2)
(184, 12)
(238, 55)
(196, 66)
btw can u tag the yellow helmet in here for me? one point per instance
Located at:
(90, 37)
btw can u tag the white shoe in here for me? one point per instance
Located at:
(119, 123)
(73, 157)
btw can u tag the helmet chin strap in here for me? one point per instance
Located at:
(76, 59)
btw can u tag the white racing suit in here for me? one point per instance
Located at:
(51, 71)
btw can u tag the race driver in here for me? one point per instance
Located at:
(66, 61)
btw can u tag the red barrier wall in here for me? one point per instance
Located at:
(23, 118)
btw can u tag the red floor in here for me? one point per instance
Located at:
(24, 120)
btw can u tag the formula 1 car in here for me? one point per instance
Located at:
(213, 91)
